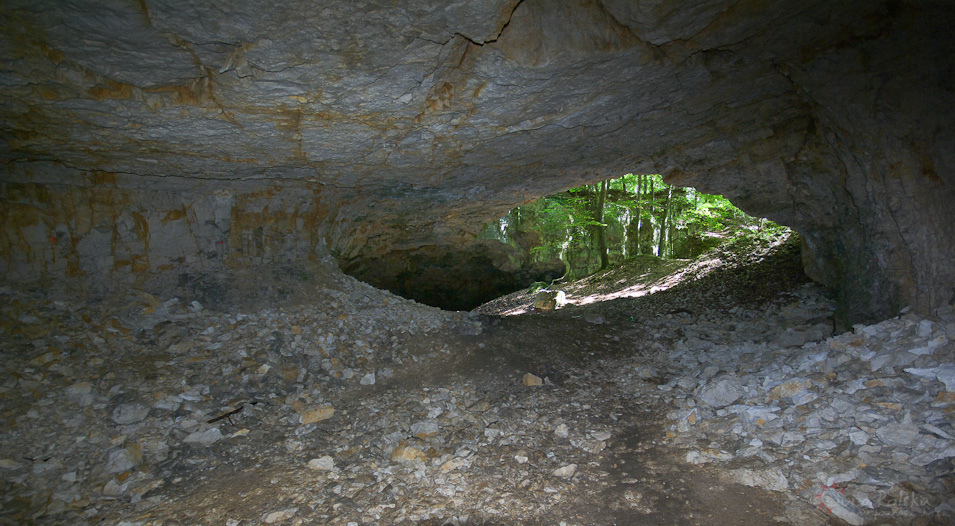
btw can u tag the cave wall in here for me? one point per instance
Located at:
(388, 134)
(122, 231)
(871, 187)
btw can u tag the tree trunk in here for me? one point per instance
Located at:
(602, 229)
(652, 204)
(664, 222)
(640, 191)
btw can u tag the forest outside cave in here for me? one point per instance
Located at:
(602, 225)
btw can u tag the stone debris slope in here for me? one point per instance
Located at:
(860, 423)
(105, 403)
(358, 407)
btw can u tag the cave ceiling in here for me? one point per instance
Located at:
(414, 123)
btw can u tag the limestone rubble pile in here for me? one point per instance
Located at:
(102, 400)
(148, 412)
(869, 412)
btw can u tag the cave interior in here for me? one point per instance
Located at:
(191, 148)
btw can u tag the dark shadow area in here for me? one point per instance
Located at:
(453, 280)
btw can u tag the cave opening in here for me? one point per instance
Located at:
(638, 235)
(568, 236)
(596, 226)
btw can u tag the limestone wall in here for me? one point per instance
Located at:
(401, 127)
(105, 230)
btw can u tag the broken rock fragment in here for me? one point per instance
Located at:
(317, 414)
(722, 392)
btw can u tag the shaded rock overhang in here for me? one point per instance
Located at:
(147, 139)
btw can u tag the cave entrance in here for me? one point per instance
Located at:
(564, 237)
(582, 230)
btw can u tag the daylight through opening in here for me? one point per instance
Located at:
(592, 227)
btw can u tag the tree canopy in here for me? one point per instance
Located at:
(635, 215)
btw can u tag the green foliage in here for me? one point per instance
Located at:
(641, 215)
(765, 230)
(711, 212)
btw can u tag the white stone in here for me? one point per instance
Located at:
(562, 430)
(120, 460)
(368, 379)
(592, 446)
(842, 478)
(112, 489)
(925, 373)
(204, 438)
(898, 434)
(280, 516)
(325, 463)
(752, 413)
(946, 375)
(771, 479)
(942, 449)
(129, 413)
(79, 389)
(804, 398)
(937, 431)
(446, 491)
(687, 382)
(858, 436)
(49, 465)
(721, 392)
(880, 361)
(565, 471)
(425, 429)
(840, 506)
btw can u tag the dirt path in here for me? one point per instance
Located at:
(643, 482)
(634, 478)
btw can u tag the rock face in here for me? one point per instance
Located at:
(144, 141)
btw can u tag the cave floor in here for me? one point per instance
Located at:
(703, 403)
(496, 449)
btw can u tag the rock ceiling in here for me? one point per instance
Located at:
(191, 130)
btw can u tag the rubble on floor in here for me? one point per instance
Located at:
(148, 412)
(104, 403)
(860, 423)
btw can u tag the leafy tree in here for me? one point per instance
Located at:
(602, 228)
(591, 226)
